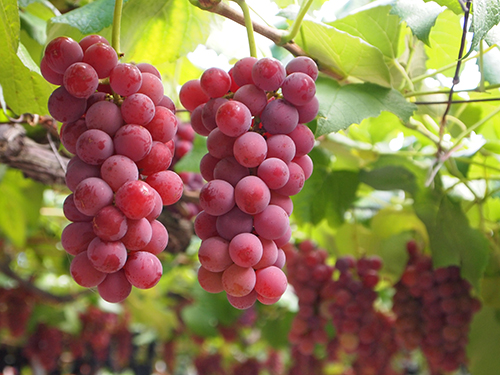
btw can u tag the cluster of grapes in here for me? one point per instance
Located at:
(44, 347)
(434, 308)
(308, 273)
(361, 330)
(16, 306)
(120, 126)
(257, 144)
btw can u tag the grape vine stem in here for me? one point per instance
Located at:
(248, 25)
(117, 18)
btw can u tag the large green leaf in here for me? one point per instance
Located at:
(485, 15)
(419, 16)
(376, 26)
(453, 5)
(445, 40)
(343, 52)
(24, 89)
(484, 337)
(341, 106)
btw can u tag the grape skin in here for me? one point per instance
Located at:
(217, 197)
(238, 281)
(80, 80)
(84, 273)
(125, 79)
(91, 195)
(102, 57)
(115, 287)
(105, 116)
(214, 254)
(64, 107)
(138, 235)
(107, 256)
(251, 195)
(143, 270)
(210, 281)
(94, 146)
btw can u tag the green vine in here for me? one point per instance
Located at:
(297, 23)
(249, 26)
(117, 19)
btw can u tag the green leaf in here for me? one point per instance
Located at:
(34, 26)
(341, 106)
(419, 16)
(452, 240)
(389, 178)
(375, 26)
(445, 41)
(91, 18)
(452, 5)
(484, 337)
(347, 54)
(326, 195)
(275, 331)
(485, 15)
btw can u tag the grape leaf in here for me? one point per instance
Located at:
(484, 337)
(452, 5)
(376, 26)
(91, 18)
(34, 26)
(485, 15)
(344, 53)
(419, 16)
(341, 106)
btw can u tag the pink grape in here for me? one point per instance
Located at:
(303, 138)
(281, 146)
(148, 68)
(110, 224)
(204, 225)
(306, 163)
(214, 254)
(64, 107)
(157, 208)
(217, 197)
(135, 199)
(159, 238)
(50, 75)
(228, 169)
(207, 166)
(107, 257)
(272, 223)
(197, 121)
(245, 250)
(70, 132)
(84, 273)
(298, 89)
(77, 171)
(91, 195)
(295, 182)
(105, 116)
(253, 97)
(125, 79)
(251, 195)
(242, 71)
(133, 141)
(71, 212)
(138, 235)
(80, 80)
(285, 238)
(268, 74)
(210, 281)
(102, 57)
(238, 281)
(269, 254)
(192, 95)
(158, 159)
(152, 87)
(274, 172)
(220, 145)
(143, 270)
(302, 64)
(233, 223)
(279, 117)
(115, 287)
(167, 103)
(309, 111)
(281, 259)
(90, 40)
(118, 169)
(168, 184)
(215, 82)
(243, 303)
(61, 52)
(250, 149)
(233, 118)
(137, 109)
(284, 201)
(76, 237)
(163, 126)
(94, 146)
(270, 282)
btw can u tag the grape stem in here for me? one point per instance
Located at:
(249, 26)
(306, 4)
(117, 18)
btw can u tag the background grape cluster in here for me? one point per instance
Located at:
(253, 117)
(120, 127)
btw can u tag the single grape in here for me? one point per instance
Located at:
(80, 80)
(303, 138)
(251, 195)
(245, 250)
(268, 74)
(281, 146)
(271, 282)
(228, 169)
(215, 82)
(110, 224)
(148, 68)
(191, 95)
(90, 40)
(207, 166)
(253, 97)
(105, 116)
(217, 197)
(272, 223)
(135, 199)
(94, 146)
(158, 159)
(238, 281)
(209, 111)
(102, 57)
(70, 131)
(197, 121)
(298, 88)
(233, 223)
(137, 109)
(214, 254)
(279, 117)
(269, 254)
(305, 162)
(295, 182)
(284, 201)
(302, 64)
(61, 52)
(139, 234)
(157, 209)
(107, 256)
(168, 184)
(125, 79)
(75, 237)
(64, 107)
(159, 238)
(220, 145)
(115, 287)
(152, 87)
(210, 281)
(78, 170)
(163, 126)
(250, 149)
(274, 172)
(133, 141)
(167, 103)
(118, 169)
(84, 273)
(143, 270)
(242, 71)
(205, 225)
(233, 118)
(71, 212)
(243, 303)
(309, 111)
(50, 75)
(91, 195)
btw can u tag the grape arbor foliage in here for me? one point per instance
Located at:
(406, 177)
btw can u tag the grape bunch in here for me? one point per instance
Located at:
(361, 330)
(308, 273)
(16, 306)
(434, 308)
(120, 126)
(254, 118)
(45, 346)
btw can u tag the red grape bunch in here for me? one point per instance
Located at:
(257, 144)
(120, 126)
(361, 330)
(434, 309)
